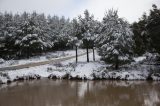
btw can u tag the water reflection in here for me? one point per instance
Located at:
(151, 99)
(80, 93)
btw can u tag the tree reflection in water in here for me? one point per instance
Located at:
(80, 93)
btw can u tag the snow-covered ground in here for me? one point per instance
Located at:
(57, 69)
(45, 57)
(82, 70)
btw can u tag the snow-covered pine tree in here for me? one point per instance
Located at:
(53, 30)
(31, 37)
(115, 40)
(42, 28)
(2, 38)
(65, 32)
(141, 36)
(7, 29)
(74, 35)
(87, 28)
(97, 30)
(58, 31)
(153, 28)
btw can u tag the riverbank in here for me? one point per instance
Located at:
(84, 71)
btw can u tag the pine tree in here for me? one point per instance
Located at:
(87, 28)
(153, 28)
(31, 37)
(53, 30)
(146, 32)
(115, 40)
(141, 36)
(7, 33)
(75, 38)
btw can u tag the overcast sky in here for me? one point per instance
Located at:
(129, 9)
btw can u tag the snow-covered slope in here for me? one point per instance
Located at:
(82, 70)
(48, 56)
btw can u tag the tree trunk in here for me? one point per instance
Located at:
(87, 53)
(28, 53)
(117, 63)
(93, 54)
(76, 55)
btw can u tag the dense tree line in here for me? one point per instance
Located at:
(147, 32)
(25, 35)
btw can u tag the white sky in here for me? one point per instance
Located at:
(129, 9)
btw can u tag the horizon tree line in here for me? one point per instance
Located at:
(117, 41)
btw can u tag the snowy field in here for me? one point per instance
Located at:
(82, 70)
(44, 57)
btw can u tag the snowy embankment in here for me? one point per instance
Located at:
(82, 70)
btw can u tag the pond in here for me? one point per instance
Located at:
(47, 92)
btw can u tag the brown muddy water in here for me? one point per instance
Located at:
(80, 93)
